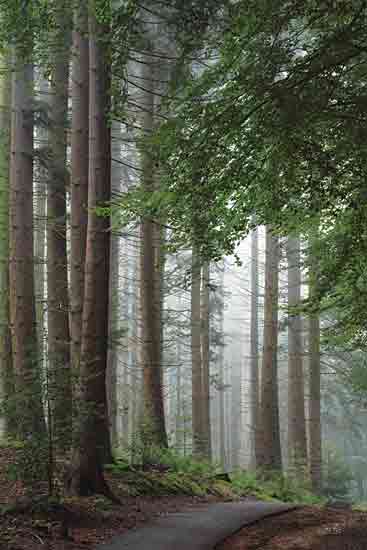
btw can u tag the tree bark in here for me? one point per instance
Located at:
(222, 449)
(6, 364)
(254, 350)
(270, 437)
(196, 357)
(30, 418)
(93, 446)
(114, 309)
(205, 354)
(79, 176)
(40, 187)
(315, 457)
(297, 443)
(60, 390)
(151, 291)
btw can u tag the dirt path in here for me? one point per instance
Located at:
(197, 529)
(308, 528)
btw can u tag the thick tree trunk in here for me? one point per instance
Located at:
(254, 350)
(60, 390)
(205, 355)
(93, 446)
(6, 364)
(79, 176)
(315, 458)
(150, 291)
(30, 419)
(270, 438)
(297, 443)
(196, 357)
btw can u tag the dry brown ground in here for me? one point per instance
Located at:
(79, 523)
(309, 528)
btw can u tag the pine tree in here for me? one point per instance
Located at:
(6, 365)
(92, 448)
(297, 444)
(79, 175)
(57, 271)
(151, 287)
(270, 457)
(205, 357)
(254, 348)
(30, 418)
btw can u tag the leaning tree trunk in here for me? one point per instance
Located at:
(92, 448)
(79, 176)
(57, 272)
(6, 364)
(150, 288)
(270, 458)
(30, 419)
(254, 349)
(205, 355)
(297, 444)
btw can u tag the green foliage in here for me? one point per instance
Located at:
(275, 124)
(31, 465)
(337, 477)
(360, 507)
(273, 486)
(175, 474)
(186, 464)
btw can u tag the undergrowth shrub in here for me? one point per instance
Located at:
(31, 464)
(171, 473)
(273, 486)
(337, 477)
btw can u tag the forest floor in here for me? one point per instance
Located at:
(307, 528)
(78, 523)
(35, 523)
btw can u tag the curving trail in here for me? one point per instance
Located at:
(200, 529)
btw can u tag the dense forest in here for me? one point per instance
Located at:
(183, 214)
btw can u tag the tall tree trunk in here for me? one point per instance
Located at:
(254, 349)
(79, 175)
(196, 357)
(40, 186)
(30, 419)
(235, 414)
(297, 443)
(270, 437)
(179, 418)
(57, 272)
(315, 458)
(150, 291)
(113, 343)
(6, 364)
(114, 310)
(221, 373)
(93, 446)
(205, 355)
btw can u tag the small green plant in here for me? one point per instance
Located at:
(273, 486)
(31, 464)
(337, 477)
